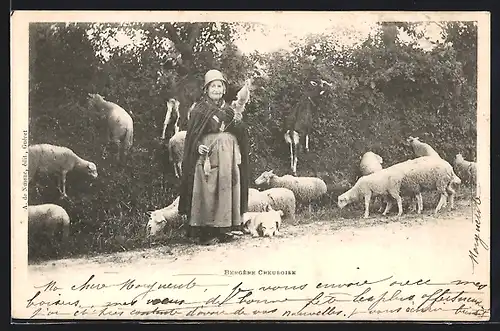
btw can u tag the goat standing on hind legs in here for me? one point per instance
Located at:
(298, 123)
(120, 126)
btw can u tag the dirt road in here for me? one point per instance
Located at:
(424, 242)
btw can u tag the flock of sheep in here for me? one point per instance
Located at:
(267, 208)
(426, 172)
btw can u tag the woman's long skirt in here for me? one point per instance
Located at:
(216, 189)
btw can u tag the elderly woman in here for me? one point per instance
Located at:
(214, 183)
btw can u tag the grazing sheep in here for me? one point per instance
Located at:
(46, 158)
(160, 217)
(465, 169)
(278, 198)
(120, 129)
(172, 115)
(50, 219)
(305, 189)
(412, 176)
(176, 151)
(420, 148)
(425, 174)
(266, 223)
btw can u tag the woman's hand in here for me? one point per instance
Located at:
(203, 149)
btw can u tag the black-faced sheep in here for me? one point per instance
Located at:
(466, 170)
(49, 219)
(176, 151)
(421, 148)
(51, 159)
(120, 126)
(305, 189)
(412, 176)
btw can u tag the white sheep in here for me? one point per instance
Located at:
(266, 223)
(160, 217)
(50, 219)
(46, 158)
(305, 189)
(176, 151)
(412, 176)
(278, 198)
(370, 162)
(172, 109)
(465, 169)
(421, 148)
(120, 128)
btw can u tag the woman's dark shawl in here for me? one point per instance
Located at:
(199, 118)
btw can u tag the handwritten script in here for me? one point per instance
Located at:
(196, 297)
(478, 241)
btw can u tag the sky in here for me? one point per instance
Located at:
(278, 34)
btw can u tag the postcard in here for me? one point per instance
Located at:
(250, 165)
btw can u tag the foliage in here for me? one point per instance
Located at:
(383, 90)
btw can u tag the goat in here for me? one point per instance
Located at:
(299, 121)
(120, 129)
(172, 116)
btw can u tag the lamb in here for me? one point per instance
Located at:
(266, 223)
(48, 218)
(176, 151)
(420, 148)
(159, 218)
(278, 198)
(172, 113)
(305, 189)
(466, 169)
(413, 176)
(46, 158)
(120, 129)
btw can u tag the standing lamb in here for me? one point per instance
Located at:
(160, 217)
(172, 116)
(412, 176)
(120, 126)
(46, 158)
(305, 189)
(50, 219)
(420, 148)
(465, 169)
(176, 151)
(278, 198)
